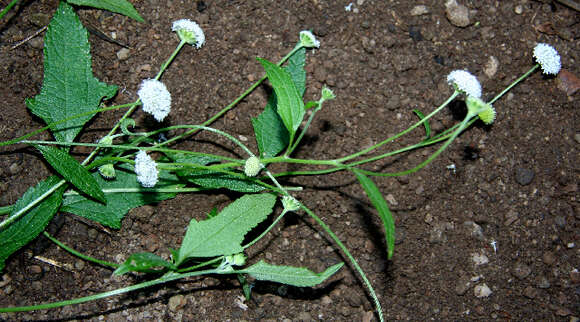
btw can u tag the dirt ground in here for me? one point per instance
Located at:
(512, 197)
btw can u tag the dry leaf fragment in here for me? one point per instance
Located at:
(568, 82)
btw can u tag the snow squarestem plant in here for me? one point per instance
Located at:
(116, 177)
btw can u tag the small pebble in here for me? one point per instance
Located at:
(391, 199)
(491, 67)
(304, 316)
(462, 286)
(482, 290)
(419, 10)
(79, 265)
(14, 168)
(479, 259)
(549, 258)
(519, 9)
(530, 292)
(575, 276)
(176, 302)
(123, 54)
(457, 14)
(400, 235)
(521, 270)
(524, 176)
(577, 137)
(474, 230)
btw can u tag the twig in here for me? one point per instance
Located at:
(20, 43)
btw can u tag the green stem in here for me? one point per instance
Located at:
(462, 126)
(8, 7)
(514, 83)
(79, 254)
(350, 258)
(164, 279)
(420, 122)
(232, 104)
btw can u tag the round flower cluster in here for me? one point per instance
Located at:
(155, 98)
(464, 82)
(548, 58)
(146, 170)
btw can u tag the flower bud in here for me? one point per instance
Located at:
(252, 166)
(189, 31)
(485, 111)
(327, 94)
(308, 40)
(107, 171)
(290, 203)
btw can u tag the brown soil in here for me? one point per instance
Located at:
(382, 62)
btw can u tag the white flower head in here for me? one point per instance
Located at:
(146, 170)
(548, 58)
(308, 40)
(189, 31)
(463, 81)
(155, 98)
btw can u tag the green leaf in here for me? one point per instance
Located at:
(144, 262)
(296, 276)
(216, 180)
(119, 201)
(69, 86)
(425, 124)
(30, 225)
(271, 135)
(72, 171)
(383, 209)
(224, 233)
(123, 7)
(296, 70)
(290, 106)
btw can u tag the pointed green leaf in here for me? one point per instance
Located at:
(145, 263)
(122, 194)
(123, 7)
(382, 208)
(296, 70)
(224, 233)
(27, 227)
(290, 106)
(296, 276)
(425, 124)
(217, 180)
(69, 87)
(271, 135)
(72, 171)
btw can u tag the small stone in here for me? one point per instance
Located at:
(437, 235)
(562, 311)
(575, 276)
(6, 279)
(479, 259)
(524, 176)
(419, 10)
(92, 234)
(462, 286)
(36, 43)
(428, 218)
(491, 67)
(79, 265)
(176, 302)
(367, 316)
(354, 299)
(482, 290)
(326, 300)
(549, 258)
(577, 137)
(39, 19)
(521, 270)
(457, 14)
(14, 168)
(304, 316)
(510, 217)
(124, 54)
(519, 9)
(530, 292)
(400, 234)
(543, 283)
(34, 272)
(391, 199)
(474, 230)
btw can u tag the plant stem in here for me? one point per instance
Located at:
(526, 74)
(8, 7)
(164, 279)
(350, 258)
(78, 254)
